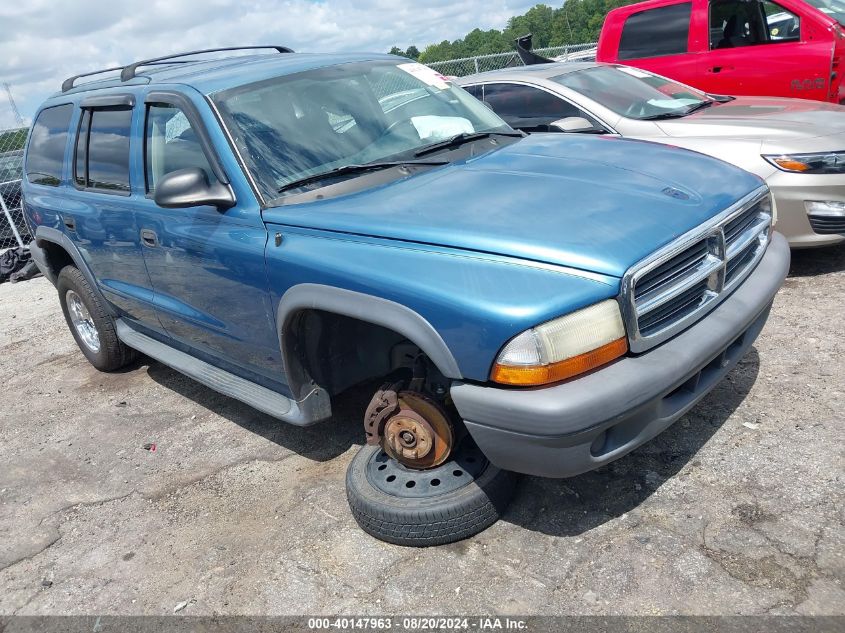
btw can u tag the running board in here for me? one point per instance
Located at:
(256, 396)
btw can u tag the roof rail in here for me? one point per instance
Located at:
(128, 72)
(67, 84)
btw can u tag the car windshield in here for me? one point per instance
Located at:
(292, 127)
(833, 8)
(632, 92)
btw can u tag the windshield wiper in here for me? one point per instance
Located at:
(677, 114)
(353, 169)
(463, 137)
(698, 106)
(663, 115)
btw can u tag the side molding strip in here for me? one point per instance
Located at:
(256, 396)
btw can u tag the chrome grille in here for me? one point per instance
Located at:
(680, 283)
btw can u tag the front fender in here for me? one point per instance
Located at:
(459, 307)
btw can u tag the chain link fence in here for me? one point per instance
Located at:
(482, 63)
(13, 228)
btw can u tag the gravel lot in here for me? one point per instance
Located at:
(738, 508)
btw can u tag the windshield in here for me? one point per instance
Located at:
(632, 92)
(833, 8)
(308, 123)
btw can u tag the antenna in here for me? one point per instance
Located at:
(15, 110)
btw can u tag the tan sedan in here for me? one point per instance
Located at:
(797, 146)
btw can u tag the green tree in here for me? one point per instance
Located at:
(412, 53)
(575, 22)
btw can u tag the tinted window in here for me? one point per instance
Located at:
(734, 23)
(475, 91)
(526, 107)
(102, 155)
(171, 145)
(82, 149)
(662, 31)
(47, 146)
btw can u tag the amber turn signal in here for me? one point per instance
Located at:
(791, 164)
(533, 375)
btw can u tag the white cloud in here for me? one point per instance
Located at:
(45, 41)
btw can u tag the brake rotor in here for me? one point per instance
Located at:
(410, 427)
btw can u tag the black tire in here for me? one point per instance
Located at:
(420, 522)
(112, 353)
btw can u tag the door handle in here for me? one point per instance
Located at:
(70, 223)
(149, 238)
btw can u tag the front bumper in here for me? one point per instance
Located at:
(576, 426)
(790, 191)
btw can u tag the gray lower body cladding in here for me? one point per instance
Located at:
(577, 426)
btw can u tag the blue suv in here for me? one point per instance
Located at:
(281, 227)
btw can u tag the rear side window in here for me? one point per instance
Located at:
(102, 150)
(475, 91)
(526, 107)
(656, 32)
(47, 146)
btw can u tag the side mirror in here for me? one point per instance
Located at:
(573, 124)
(190, 188)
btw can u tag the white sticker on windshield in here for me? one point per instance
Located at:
(671, 104)
(426, 74)
(437, 128)
(639, 74)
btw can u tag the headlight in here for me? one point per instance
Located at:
(819, 163)
(563, 347)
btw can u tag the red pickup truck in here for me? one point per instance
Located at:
(788, 48)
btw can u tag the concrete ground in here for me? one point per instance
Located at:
(737, 509)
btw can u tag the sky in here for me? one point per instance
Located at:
(45, 41)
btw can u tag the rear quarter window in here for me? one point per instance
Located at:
(47, 144)
(656, 32)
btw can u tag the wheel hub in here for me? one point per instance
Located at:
(82, 321)
(410, 427)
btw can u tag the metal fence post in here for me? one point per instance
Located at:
(475, 59)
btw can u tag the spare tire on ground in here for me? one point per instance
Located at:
(451, 502)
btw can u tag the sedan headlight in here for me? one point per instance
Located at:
(818, 163)
(563, 347)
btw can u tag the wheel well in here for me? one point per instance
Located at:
(335, 352)
(56, 256)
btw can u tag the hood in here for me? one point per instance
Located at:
(765, 118)
(598, 204)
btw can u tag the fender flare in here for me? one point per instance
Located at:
(47, 234)
(364, 307)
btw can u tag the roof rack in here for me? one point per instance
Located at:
(67, 84)
(128, 72)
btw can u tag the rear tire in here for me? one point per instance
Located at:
(421, 521)
(89, 322)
